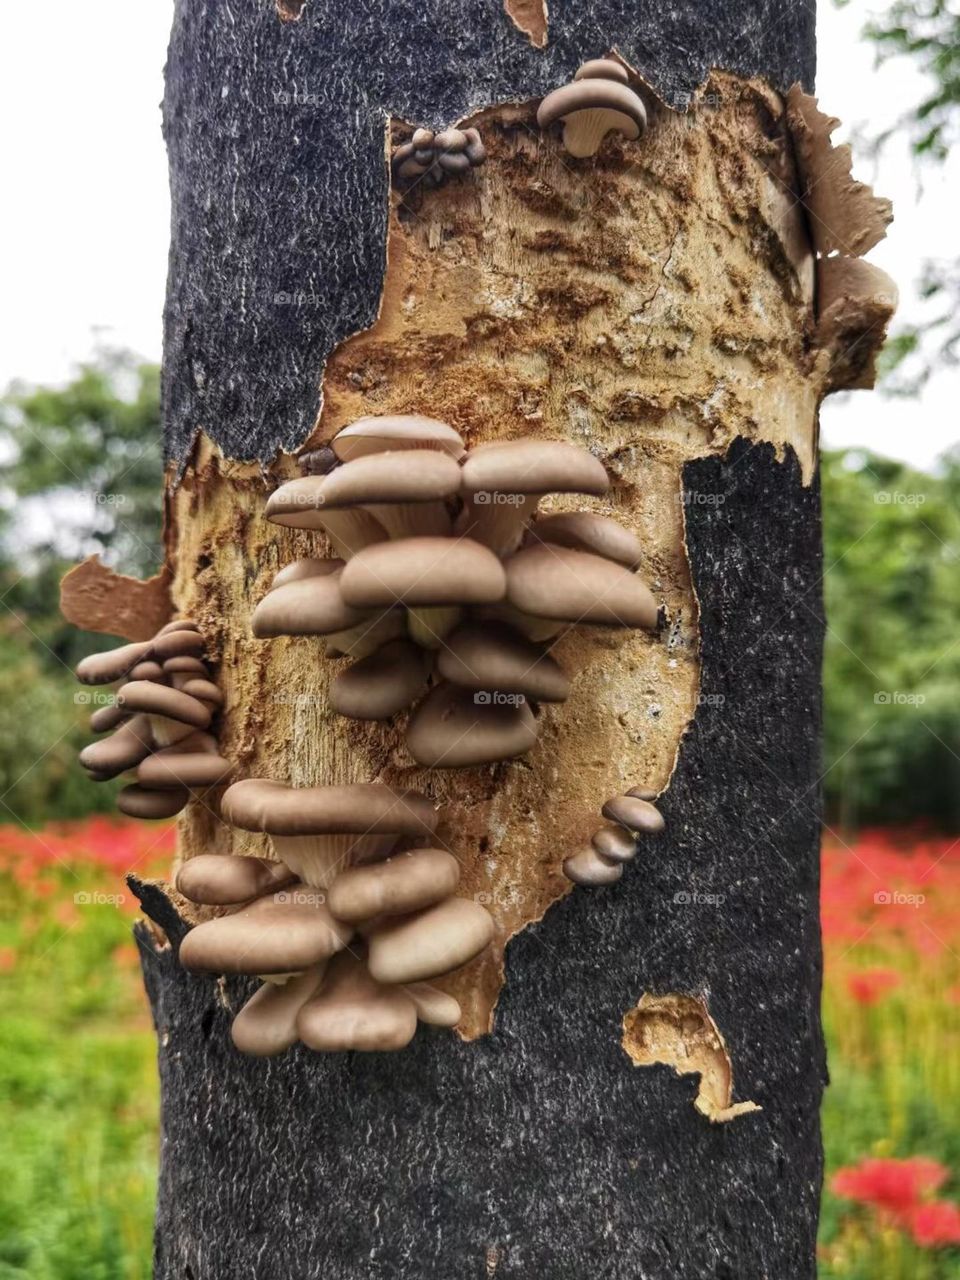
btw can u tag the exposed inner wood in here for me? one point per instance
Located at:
(651, 304)
(530, 17)
(678, 1031)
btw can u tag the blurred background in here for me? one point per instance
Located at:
(84, 259)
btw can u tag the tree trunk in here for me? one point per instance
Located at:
(654, 304)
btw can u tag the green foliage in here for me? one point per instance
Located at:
(892, 664)
(82, 473)
(927, 32)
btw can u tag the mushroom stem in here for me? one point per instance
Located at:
(413, 519)
(498, 520)
(166, 731)
(318, 860)
(367, 636)
(429, 627)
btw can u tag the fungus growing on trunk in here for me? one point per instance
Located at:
(430, 157)
(162, 706)
(598, 102)
(611, 847)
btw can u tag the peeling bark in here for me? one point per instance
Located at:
(97, 598)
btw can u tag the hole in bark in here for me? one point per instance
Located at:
(206, 1023)
(290, 10)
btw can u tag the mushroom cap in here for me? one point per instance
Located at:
(533, 466)
(454, 161)
(176, 644)
(205, 690)
(297, 505)
(290, 930)
(423, 571)
(377, 687)
(108, 717)
(183, 664)
(586, 531)
(615, 844)
(450, 729)
(575, 586)
(146, 670)
(602, 69)
(634, 814)
(305, 607)
(409, 476)
(160, 700)
(353, 1011)
(227, 879)
(178, 624)
(309, 567)
(626, 109)
(433, 1006)
(260, 804)
(143, 802)
(589, 867)
(450, 140)
(406, 882)
(492, 656)
(124, 749)
(173, 767)
(429, 943)
(644, 793)
(396, 431)
(113, 664)
(267, 1023)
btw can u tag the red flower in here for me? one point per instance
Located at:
(936, 1223)
(868, 986)
(893, 1185)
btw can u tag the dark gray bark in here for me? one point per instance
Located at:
(538, 1151)
(541, 1147)
(275, 134)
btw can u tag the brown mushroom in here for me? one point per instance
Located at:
(575, 586)
(634, 814)
(171, 712)
(287, 932)
(589, 867)
(590, 108)
(429, 943)
(218, 879)
(305, 607)
(503, 482)
(614, 843)
(403, 883)
(495, 658)
(124, 749)
(452, 729)
(586, 531)
(319, 831)
(378, 686)
(144, 802)
(309, 567)
(407, 490)
(298, 505)
(267, 1023)
(114, 664)
(392, 432)
(354, 1011)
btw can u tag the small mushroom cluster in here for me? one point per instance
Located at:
(160, 717)
(346, 929)
(598, 102)
(447, 587)
(431, 157)
(603, 859)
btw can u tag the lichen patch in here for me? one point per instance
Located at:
(677, 1031)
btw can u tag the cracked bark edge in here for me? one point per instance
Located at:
(95, 597)
(531, 17)
(845, 216)
(677, 1031)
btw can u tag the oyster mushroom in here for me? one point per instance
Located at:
(393, 432)
(407, 490)
(267, 1023)
(219, 879)
(454, 728)
(378, 686)
(352, 1010)
(319, 831)
(298, 505)
(595, 104)
(493, 657)
(503, 482)
(315, 606)
(432, 577)
(589, 867)
(586, 531)
(429, 943)
(403, 883)
(575, 586)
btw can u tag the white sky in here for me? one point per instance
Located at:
(84, 225)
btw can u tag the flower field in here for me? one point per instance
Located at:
(78, 1089)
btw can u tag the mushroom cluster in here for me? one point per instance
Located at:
(346, 929)
(160, 717)
(431, 157)
(612, 846)
(448, 589)
(598, 101)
